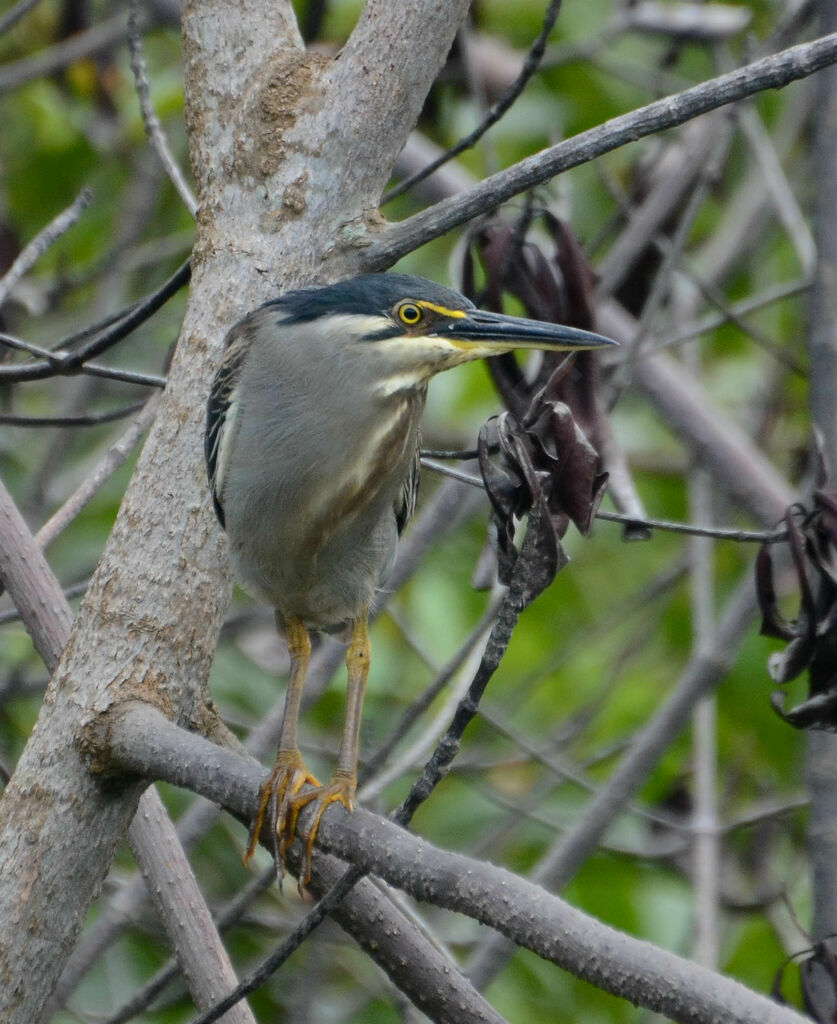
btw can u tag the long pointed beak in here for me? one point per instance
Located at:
(490, 330)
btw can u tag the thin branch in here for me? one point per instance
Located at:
(702, 673)
(530, 66)
(527, 580)
(59, 361)
(572, 773)
(718, 532)
(44, 240)
(454, 474)
(729, 314)
(15, 13)
(706, 850)
(90, 420)
(153, 128)
(692, 529)
(67, 364)
(116, 456)
(226, 917)
(736, 461)
(268, 967)
(734, 311)
(92, 41)
(771, 72)
(463, 454)
(787, 208)
(423, 702)
(145, 380)
(469, 658)
(149, 302)
(705, 179)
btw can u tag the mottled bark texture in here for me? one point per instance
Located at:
(290, 153)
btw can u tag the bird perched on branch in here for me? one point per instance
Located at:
(312, 449)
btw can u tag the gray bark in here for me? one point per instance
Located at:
(290, 154)
(531, 917)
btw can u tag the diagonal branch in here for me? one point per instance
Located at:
(141, 740)
(498, 109)
(774, 72)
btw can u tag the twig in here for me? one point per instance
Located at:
(530, 66)
(694, 530)
(734, 458)
(423, 702)
(519, 594)
(706, 849)
(92, 41)
(704, 180)
(15, 13)
(115, 457)
(76, 590)
(60, 361)
(463, 454)
(455, 474)
(700, 675)
(573, 774)
(468, 657)
(32, 252)
(226, 917)
(153, 128)
(145, 380)
(710, 321)
(322, 909)
(68, 364)
(732, 314)
(771, 72)
(90, 420)
(718, 532)
(787, 208)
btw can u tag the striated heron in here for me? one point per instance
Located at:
(312, 449)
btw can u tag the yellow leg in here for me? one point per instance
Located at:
(344, 781)
(289, 773)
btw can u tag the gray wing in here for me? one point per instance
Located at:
(222, 415)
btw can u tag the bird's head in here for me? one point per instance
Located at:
(410, 328)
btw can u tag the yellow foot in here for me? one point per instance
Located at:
(341, 789)
(288, 777)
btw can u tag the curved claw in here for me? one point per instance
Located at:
(341, 789)
(288, 777)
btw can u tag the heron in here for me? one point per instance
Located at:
(312, 450)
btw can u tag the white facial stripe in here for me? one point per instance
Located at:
(224, 441)
(407, 380)
(339, 324)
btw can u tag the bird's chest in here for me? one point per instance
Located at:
(326, 465)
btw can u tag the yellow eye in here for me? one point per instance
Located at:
(409, 313)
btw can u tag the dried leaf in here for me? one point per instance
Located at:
(812, 636)
(818, 974)
(546, 466)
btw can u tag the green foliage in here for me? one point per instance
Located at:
(592, 660)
